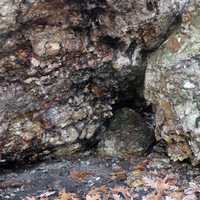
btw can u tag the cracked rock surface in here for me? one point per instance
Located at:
(127, 134)
(138, 177)
(172, 84)
(65, 63)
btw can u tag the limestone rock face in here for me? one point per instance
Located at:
(173, 85)
(8, 10)
(64, 63)
(126, 135)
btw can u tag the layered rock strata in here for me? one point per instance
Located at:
(65, 63)
(172, 84)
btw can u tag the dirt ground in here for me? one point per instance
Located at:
(91, 177)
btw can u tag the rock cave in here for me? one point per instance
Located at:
(99, 99)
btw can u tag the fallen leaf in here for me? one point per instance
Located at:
(80, 175)
(190, 193)
(187, 17)
(98, 91)
(177, 195)
(98, 193)
(29, 198)
(159, 184)
(119, 174)
(153, 196)
(119, 191)
(11, 183)
(34, 198)
(173, 44)
(67, 196)
(190, 197)
(141, 166)
(44, 198)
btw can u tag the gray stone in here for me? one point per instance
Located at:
(172, 84)
(64, 64)
(127, 134)
(8, 10)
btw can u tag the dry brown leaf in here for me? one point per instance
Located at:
(80, 175)
(190, 197)
(99, 92)
(97, 193)
(33, 198)
(29, 198)
(190, 193)
(67, 196)
(187, 17)
(141, 166)
(93, 196)
(153, 196)
(173, 44)
(159, 184)
(177, 195)
(44, 198)
(119, 175)
(120, 190)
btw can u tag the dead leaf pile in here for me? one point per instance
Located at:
(80, 175)
(120, 192)
(29, 198)
(192, 193)
(119, 174)
(142, 165)
(101, 193)
(67, 196)
(159, 185)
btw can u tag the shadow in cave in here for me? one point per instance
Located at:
(139, 105)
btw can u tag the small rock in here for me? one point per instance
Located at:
(127, 134)
(35, 62)
(188, 85)
(177, 106)
(52, 48)
(70, 135)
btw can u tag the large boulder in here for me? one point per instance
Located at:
(64, 63)
(172, 84)
(127, 134)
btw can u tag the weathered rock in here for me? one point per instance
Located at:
(172, 84)
(8, 10)
(144, 176)
(127, 134)
(63, 64)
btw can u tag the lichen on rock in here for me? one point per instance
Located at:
(127, 134)
(64, 64)
(172, 84)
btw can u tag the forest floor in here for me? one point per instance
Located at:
(91, 177)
